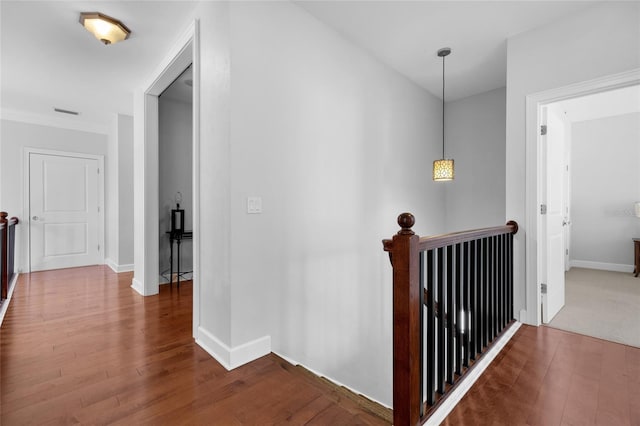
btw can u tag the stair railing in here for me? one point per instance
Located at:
(452, 297)
(7, 252)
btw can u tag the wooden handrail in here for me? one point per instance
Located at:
(437, 241)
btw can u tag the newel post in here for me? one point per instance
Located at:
(405, 258)
(4, 233)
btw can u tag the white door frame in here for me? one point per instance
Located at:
(185, 52)
(27, 199)
(533, 199)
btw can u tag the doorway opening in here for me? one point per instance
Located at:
(146, 175)
(595, 291)
(549, 189)
(175, 159)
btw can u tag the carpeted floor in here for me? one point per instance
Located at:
(601, 304)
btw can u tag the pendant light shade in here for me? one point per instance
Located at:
(443, 169)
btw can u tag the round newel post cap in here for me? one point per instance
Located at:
(4, 215)
(406, 222)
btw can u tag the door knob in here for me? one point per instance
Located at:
(35, 218)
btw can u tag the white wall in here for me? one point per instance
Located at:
(119, 194)
(599, 41)
(14, 137)
(125, 190)
(111, 234)
(337, 145)
(605, 182)
(475, 139)
(176, 171)
(213, 315)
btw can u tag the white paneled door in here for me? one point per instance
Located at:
(64, 211)
(554, 220)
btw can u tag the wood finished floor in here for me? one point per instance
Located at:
(79, 346)
(548, 377)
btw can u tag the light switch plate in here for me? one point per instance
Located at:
(254, 205)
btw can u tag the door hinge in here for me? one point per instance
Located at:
(543, 209)
(98, 247)
(543, 129)
(543, 288)
(98, 209)
(98, 170)
(566, 251)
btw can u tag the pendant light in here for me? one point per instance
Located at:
(443, 168)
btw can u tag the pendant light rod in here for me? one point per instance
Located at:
(443, 169)
(445, 51)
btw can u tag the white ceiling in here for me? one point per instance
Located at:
(48, 60)
(407, 34)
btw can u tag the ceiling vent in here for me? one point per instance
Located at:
(66, 111)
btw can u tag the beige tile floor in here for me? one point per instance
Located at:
(601, 304)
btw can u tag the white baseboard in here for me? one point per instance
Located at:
(118, 268)
(231, 358)
(452, 400)
(332, 380)
(137, 286)
(5, 303)
(614, 267)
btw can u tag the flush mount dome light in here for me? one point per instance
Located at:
(105, 28)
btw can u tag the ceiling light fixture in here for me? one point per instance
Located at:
(443, 168)
(105, 28)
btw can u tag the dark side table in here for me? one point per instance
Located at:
(636, 256)
(177, 237)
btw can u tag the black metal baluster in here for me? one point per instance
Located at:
(473, 299)
(500, 269)
(450, 315)
(422, 276)
(479, 325)
(510, 276)
(485, 292)
(441, 301)
(493, 290)
(490, 289)
(499, 301)
(503, 264)
(466, 280)
(458, 311)
(431, 331)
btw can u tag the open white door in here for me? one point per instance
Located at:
(553, 144)
(63, 211)
(566, 194)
